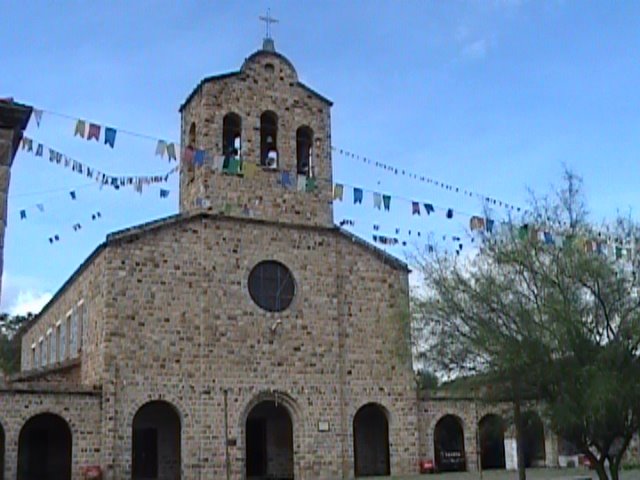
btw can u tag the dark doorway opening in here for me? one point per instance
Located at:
(533, 440)
(156, 442)
(491, 442)
(371, 441)
(448, 441)
(269, 442)
(44, 449)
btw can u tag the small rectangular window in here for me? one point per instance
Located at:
(63, 341)
(34, 360)
(41, 353)
(58, 341)
(73, 334)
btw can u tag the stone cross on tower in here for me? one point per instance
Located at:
(268, 20)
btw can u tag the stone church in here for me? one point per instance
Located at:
(246, 337)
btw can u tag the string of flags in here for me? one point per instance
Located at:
(104, 179)
(422, 178)
(76, 228)
(91, 130)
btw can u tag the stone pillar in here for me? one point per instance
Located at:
(6, 159)
(14, 118)
(550, 449)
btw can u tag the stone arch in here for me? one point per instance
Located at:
(491, 438)
(156, 441)
(269, 139)
(371, 441)
(45, 448)
(193, 137)
(304, 151)
(448, 444)
(231, 135)
(533, 440)
(269, 422)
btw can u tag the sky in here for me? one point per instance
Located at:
(492, 96)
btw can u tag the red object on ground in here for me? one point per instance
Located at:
(93, 472)
(427, 466)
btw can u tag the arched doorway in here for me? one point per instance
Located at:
(156, 442)
(269, 442)
(533, 440)
(44, 449)
(448, 439)
(491, 442)
(371, 441)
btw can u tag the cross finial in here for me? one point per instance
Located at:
(268, 20)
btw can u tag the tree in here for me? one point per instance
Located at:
(549, 310)
(10, 341)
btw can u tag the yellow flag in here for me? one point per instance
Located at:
(338, 191)
(80, 128)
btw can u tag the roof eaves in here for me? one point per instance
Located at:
(203, 82)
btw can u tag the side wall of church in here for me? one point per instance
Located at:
(194, 337)
(248, 94)
(80, 410)
(84, 294)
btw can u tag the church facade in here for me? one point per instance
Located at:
(245, 336)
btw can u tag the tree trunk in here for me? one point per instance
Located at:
(601, 470)
(517, 418)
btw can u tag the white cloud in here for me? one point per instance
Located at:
(22, 294)
(29, 302)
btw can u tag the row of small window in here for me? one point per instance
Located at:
(63, 341)
(232, 141)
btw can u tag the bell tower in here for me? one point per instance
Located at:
(266, 139)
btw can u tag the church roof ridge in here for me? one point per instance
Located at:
(144, 228)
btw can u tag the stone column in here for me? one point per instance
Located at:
(6, 159)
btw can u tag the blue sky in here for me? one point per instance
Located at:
(491, 96)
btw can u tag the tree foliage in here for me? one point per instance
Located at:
(10, 341)
(550, 316)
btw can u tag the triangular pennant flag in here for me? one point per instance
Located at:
(187, 154)
(81, 126)
(357, 195)
(164, 193)
(171, 151)
(301, 183)
(428, 208)
(285, 179)
(38, 116)
(377, 200)
(415, 208)
(23, 214)
(386, 200)
(249, 169)
(161, 148)
(310, 184)
(450, 213)
(338, 191)
(94, 132)
(110, 136)
(198, 157)
(39, 150)
(73, 194)
(40, 207)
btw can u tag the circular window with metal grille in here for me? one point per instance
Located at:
(271, 286)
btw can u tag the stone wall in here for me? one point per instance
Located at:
(79, 302)
(79, 408)
(6, 159)
(249, 93)
(181, 327)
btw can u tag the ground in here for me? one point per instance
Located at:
(532, 474)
